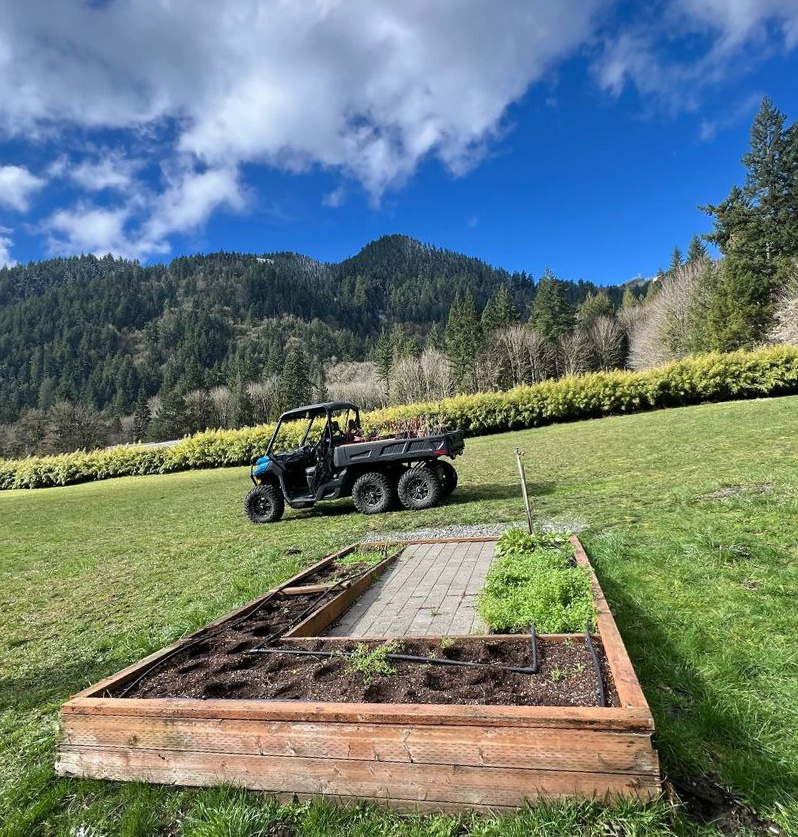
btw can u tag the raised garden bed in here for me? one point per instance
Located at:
(429, 737)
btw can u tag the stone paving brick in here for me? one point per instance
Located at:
(430, 590)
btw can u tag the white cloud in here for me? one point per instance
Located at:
(335, 198)
(366, 86)
(139, 227)
(108, 171)
(17, 185)
(5, 248)
(637, 54)
(191, 198)
(90, 229)
(739, 21)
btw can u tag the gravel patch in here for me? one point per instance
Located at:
(473, 530)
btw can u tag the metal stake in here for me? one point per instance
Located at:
(522, 476)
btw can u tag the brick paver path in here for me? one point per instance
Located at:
(430, 591)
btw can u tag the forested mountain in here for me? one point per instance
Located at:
(110, 332)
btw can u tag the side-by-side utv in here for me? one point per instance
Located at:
(333, 460)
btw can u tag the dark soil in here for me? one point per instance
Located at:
(335, 572)
(221, 668)
(706, 801)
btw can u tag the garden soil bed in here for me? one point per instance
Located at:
(566, 675)
(428, 738)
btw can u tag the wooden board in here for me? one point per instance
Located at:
(413, 757)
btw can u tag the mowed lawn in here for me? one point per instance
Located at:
(692, 524)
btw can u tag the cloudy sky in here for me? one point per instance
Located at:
(578, 134)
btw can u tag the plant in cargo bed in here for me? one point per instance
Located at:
(534, 580)
(370, 663)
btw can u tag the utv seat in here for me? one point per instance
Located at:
(310, 474)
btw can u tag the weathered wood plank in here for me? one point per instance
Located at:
(525, 748)
(377, 713)
(422, 782)
(627, 685)
(321, 619)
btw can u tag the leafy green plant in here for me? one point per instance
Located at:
(370, 663)
(534, 580)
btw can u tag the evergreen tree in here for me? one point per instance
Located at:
(296, 384)
(141, 417)
(170, 423)
(463, 342)
(676, 260)
(755, 230)
(629, 300)
(697, 250)
(506, 312)
(594, 306)
(384, 358)
(499, 311)
(552, 315)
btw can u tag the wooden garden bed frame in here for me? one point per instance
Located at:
(412, 757)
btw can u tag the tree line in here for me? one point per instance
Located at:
(129, 352)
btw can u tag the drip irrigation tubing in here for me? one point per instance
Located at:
(406, 658)
(596, 666)
(203, 637)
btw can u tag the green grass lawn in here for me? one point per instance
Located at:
(705, 591)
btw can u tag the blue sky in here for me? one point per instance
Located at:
(580, 135)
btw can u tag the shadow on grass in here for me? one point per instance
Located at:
(694, 730)
(464, 494)
(48, 685)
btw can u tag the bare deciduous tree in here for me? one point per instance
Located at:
(75, 427)
(221, 406)
(574, 352)
(356, 382)
(425, 378)
(664, 325)
(265, 397)
(527, 355)
(607, 338)
(785, 328)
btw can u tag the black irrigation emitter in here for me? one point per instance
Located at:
(596, 666)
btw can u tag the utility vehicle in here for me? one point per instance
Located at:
(319, 452)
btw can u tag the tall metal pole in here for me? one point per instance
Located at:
(522, 477)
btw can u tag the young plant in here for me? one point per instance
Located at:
(370, 663)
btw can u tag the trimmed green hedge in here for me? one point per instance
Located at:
(714, 377)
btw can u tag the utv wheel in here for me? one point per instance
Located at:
(448, 477)
(372, 493)
(264, 504)
(420, 488)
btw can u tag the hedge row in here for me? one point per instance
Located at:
(714, 377)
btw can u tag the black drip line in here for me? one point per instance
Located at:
(596, 666)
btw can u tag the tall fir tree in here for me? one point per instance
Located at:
(463, 342)
(593, 307)
(552, 314)
(697, 250)
(755, 230)
(676, 260)
(384, 359)
(295, 383)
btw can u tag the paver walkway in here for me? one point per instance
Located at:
(430, 591)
